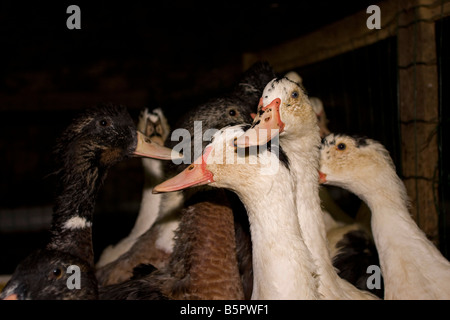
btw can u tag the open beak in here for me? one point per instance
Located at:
(265, 127)
(322, 177)
(194, 175)
(146, 148)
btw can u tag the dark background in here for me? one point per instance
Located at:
(172, 55)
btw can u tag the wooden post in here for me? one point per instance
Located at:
(418, 111)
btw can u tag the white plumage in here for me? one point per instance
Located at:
(412, 267)
(282, 264)
(286, 107)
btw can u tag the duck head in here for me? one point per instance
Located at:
(51, 275)
(284, 109)
(154, 125)
(224, 165)
(107, 134)
(351, 162)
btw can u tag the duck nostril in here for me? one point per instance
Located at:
(191, 167)
(267, 119)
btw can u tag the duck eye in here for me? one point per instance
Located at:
(104, 123)
(56, 273)
(341, 146)
(232, 112)
(294, 94)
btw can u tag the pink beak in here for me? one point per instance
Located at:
(194, 175)
(322, 177)
(268, 125)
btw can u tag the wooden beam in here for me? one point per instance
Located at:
(345, 35)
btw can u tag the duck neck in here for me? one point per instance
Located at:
(399, 240)
(71, 229)
(148, 212)
(282, 264)
(303, 154)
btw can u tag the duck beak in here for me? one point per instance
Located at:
(11, 297)
(266, 126)
(194, 175)
(147, 148)
(322, 177)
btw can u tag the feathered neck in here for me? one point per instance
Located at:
(412, 266)
(304, 153)
(286, 270)
(78, 182)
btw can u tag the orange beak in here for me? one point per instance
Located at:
(266, 126)
(194, 175)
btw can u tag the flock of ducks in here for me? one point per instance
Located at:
(245, 220)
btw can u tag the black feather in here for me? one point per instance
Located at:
(357, 251)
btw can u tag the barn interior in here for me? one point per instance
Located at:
(386, 84)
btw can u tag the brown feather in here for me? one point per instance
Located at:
(205, 254)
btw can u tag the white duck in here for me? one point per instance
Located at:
(350, 241)
(282, 264)
(333, 215)
(412, 267)
(285, 111)
(155, 126)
